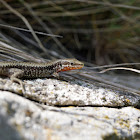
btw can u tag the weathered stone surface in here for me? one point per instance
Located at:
(21, 118)
(75, 92)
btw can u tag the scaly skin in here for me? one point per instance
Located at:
(16, 70)
(39, 70)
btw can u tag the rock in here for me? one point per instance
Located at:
(77, 93)
(21, 118)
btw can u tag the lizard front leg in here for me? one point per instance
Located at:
(56, 75)
(15, 74)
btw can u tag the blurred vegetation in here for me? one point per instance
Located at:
(100, 32)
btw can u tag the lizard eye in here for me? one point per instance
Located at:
(72, 63)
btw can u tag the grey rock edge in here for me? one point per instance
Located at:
(76, 93)
(21, 118)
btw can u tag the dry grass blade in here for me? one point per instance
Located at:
(113, 65)
(26, 22)
(6, 48)
(47, 29)
(120, 68)
(37, 32)
(110, 4)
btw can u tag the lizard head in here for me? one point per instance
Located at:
(68, 64)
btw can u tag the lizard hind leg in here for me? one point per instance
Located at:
(15, 74)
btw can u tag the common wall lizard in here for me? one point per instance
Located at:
(17, 70)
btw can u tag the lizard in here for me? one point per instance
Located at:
(28, 70)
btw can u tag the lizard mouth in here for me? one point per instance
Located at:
(72, 68)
